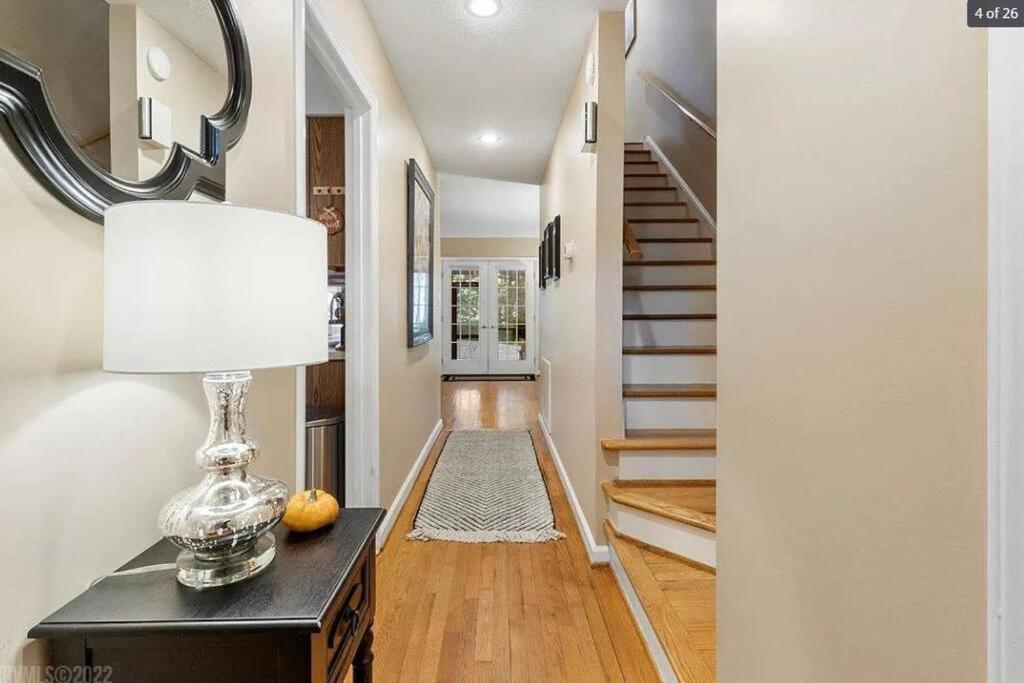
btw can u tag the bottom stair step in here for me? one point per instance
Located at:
(673, 603)
(677, 516)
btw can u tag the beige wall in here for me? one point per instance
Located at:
(580, 321)
(675, 41)
(465, 247)
(410, 393)
(852, 349)
(88, 458)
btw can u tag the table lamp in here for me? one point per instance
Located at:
(193, 287)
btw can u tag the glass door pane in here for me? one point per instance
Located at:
(465, 334)
(512, 316)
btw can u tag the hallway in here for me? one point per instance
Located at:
(500, 612)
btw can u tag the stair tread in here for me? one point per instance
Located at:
(654, 204)
(651, 188)
(688, 502)
(663, 220)
(663, 440)
(670, 288)
(640, 162)
(675, 240)
(670, 316)
(670, 350)
(687, 262)
(683, 633)
(690, 390)
(645, 175)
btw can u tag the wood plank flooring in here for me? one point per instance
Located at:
(496, 611)
(679, 599)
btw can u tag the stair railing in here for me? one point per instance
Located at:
(665, 92)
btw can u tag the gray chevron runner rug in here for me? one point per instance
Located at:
(486, 487)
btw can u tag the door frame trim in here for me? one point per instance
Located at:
(313, 27)
(529, 260)
(1005, 358)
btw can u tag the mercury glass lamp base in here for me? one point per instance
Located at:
(197, 573)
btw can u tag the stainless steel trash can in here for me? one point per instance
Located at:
(325, 452)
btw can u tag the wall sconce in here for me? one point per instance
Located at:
(589, 127)
(156, 126)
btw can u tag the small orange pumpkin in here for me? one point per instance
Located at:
(310, 510)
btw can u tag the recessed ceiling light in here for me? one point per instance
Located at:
(483, 8)
(489, 138)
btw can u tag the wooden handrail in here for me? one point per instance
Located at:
(629, 241)
(676, 100)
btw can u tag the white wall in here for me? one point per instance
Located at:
(852, 342)
(581, 314)
(480, 207)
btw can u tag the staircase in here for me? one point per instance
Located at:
(661, 508)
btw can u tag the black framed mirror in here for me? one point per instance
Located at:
(112, 102)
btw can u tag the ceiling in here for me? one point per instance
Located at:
(481, 207)
(511, 73)
(193, 22)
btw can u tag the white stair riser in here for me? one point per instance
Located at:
(668, 302)
(668, 275)
(674, 251)
(645, 181)
(643, 169)
(670, 413)
(667, 534)
(656, 465)
(641, 212)
(651, 196)
(654, 230)
(638, 369)
(669, 332)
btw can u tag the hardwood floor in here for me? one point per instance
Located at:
(679, 598)
(500, 611)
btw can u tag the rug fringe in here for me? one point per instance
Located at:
(540, 536)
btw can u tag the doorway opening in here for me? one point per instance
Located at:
(488, 318)
(336, 118)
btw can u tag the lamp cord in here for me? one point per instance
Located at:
(137, 570)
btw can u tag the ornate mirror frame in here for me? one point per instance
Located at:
(31, 129)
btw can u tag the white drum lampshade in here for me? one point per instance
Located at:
(200, 287)
(222, 290)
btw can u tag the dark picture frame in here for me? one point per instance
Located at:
(549, 258)
(419, 256)
(542, 264)
(556, 248)
(630, 25)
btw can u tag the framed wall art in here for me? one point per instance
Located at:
(420, 259)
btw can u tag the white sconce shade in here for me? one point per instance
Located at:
(202, 287)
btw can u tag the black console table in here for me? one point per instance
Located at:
(308, 617)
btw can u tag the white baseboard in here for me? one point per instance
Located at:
(643, 624)
(705, 215)
(403, 493)
(598, 554)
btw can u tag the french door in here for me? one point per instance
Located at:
(489, 317)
